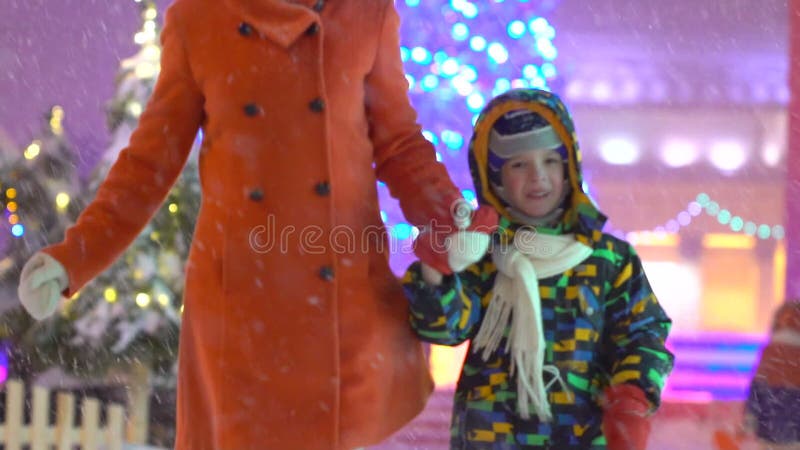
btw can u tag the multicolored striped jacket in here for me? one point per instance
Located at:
(603, 325)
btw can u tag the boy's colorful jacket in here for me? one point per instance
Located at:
(603, 325)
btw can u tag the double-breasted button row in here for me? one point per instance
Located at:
(317, 105)
(323, 189)
(247, 30)
(254, 109)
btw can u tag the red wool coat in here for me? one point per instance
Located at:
(295, 331)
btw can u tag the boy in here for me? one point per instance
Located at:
(567, 337)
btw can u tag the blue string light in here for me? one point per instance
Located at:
(402, 231)
(460, 32)
(478, 43)
(430, 82)
(18, 230)
(516, 29)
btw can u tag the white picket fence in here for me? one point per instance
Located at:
(39, 434)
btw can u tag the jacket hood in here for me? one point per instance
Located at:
(581, 215)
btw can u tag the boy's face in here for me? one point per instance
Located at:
(534, 181)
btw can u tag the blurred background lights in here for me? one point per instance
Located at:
(452, 139)
(679, 152)
(470, 11)
(546, 49)
(549, 70)
(619, 151)
(405, 53)
(501, 85)
(727, 156)
(497, 52)
(630, 90)
(477, 43)
(18, 230)
(429, 82)
(530, 71)
(575, 90)
(460, 32)
(430, 137)
(450, 67)
(421, 55)
(772, 154)
(475, 101)
(62, 200)
(142, 299)
(163, 299)
(601, 91)
(32, 151)
(402, 231)
(735, 223)
(516, 29)
(538, 26)
(469, 73)
(110, 294)
(462, 85)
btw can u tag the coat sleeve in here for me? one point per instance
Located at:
(447, 314)
(142, 175)
(636, 329)
(404, 159)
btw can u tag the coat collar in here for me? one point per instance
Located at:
(280, 21)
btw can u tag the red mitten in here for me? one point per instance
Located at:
(431, 245)
(626, 424)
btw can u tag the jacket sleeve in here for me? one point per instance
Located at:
(142, 175)
(636, 329)
(447, 314)
(404, 159)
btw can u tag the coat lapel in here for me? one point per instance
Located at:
(278, 20)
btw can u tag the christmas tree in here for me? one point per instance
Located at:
(131, 312)
(39, 195)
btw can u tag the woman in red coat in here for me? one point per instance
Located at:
(295, 331)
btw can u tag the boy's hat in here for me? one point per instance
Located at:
(522, 130)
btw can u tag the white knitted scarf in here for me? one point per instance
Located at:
(516, 300)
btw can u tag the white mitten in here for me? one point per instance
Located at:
(40, 285)
(465, 248)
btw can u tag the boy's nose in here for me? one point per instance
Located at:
(538, 172)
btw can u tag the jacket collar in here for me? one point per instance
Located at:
(278, 20)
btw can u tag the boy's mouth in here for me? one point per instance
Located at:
(538, 195)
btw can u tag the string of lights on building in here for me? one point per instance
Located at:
(702, 204)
